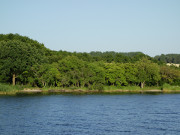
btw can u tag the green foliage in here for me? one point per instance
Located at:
(170, 87)
(45, 75)
(34, 65)
(115, 74)
(170, 75)
(71, 71)
(147, 71)
(6, 87)
(18, 55)
(95, 76)
(117, 57)
(169, 58)
(131, 72)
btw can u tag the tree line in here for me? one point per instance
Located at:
(168, 58)
(27, 62)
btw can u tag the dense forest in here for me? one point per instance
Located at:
(169, 58)
(27, 62)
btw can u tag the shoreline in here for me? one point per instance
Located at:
(80, 92)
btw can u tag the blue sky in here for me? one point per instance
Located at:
(149, 26)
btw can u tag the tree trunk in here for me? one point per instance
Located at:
(78, 84)
(14, 79)
(142, 84)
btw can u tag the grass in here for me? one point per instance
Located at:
(131, 88)
(10, 89)
(169, 87)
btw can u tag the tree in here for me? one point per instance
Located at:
(71, 70)
(17, 57)
(147, 71)
(170, 75)
(168, 58)
(115, 74)
(131, 73)
(46, 74)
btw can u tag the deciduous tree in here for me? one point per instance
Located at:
(17, 57)
(147, 71)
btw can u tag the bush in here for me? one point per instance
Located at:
(169, 87)
(4, 87)
(99, 87)
(7, 87)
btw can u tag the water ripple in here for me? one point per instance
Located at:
(90, 115)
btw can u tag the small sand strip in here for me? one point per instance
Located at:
(38, 91)
(153, 91)
(31, 91)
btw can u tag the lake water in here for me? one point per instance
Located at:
(90, 115)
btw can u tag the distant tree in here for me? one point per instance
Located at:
(119, 58)
(95, 76)
(131, 73)
(71, 69)
(170, 75)
(108, 57)
(138, 57)
(115, 74)
(46, 75)
(169, 58)
(84, 56)
(17, 56)
(147, 71)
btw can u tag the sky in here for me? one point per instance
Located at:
(148, 26)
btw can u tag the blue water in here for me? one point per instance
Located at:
(90, 115)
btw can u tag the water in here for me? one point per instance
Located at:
(90, 114)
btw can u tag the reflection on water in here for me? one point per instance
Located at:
(90, 114)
